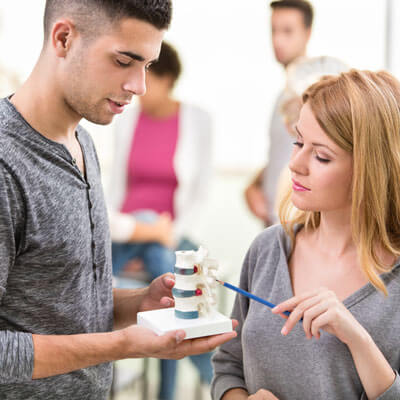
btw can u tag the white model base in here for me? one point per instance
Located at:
(164, 320)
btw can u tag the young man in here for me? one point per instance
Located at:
(58, 308)
(291, 22)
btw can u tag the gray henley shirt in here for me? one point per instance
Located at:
(55, 258)
(293, 367)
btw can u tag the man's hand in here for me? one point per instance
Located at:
(128, 302)
(60, 354)
(263, 394)
(159, 293)
(141, 342)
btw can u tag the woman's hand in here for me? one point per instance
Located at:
(164, 230)
(262, 394)
(320, 309)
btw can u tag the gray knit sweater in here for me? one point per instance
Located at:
(55, 263)
(293, 367)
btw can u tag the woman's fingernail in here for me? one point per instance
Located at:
(274, 309)
(284, 331)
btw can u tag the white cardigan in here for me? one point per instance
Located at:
(192, 164)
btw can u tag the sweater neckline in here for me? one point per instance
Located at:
(354, 297)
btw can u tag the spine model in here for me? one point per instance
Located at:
(195, 284)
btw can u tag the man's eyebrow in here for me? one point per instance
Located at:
(134, 56)
(315, 144)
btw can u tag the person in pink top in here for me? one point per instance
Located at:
(161, 172)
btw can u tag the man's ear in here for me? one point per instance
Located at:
(62, 36)
(308, 34)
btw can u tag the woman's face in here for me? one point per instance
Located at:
(158, 89)
(321, 170)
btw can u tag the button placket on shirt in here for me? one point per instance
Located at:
(92, 226)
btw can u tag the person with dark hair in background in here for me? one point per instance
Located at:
(291, 23)
(58, 308)
(161, 171)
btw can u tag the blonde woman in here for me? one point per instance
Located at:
(300, 75)
(334, 265)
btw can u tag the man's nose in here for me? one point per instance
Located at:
(136, 83)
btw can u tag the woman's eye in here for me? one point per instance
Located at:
(299, 144)
(323, 160)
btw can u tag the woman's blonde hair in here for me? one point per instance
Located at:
(360, 112)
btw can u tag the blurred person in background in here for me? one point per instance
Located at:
(160, 176)
(291, 23)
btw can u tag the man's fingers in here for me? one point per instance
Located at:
(235, 323)
(209, 343)
(173, 345)
(167, 302)
(217, 340)
(169, 280)
(171, 339)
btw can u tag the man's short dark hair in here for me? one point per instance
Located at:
(91, 15)
(168, 63)
(302, 5)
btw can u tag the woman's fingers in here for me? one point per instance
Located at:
(318, 323)
(298, 306)
(290, 304)
(311, 314)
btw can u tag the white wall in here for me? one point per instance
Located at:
(229, 67)
(394, 53)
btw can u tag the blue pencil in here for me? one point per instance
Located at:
(251, 296)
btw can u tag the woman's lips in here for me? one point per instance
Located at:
(299, 187)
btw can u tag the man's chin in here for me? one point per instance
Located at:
(104, 122)
(101, 120)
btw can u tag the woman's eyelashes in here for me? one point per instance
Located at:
(320, 159)
(323, 160)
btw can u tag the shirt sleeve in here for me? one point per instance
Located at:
(11, 225)
(392, 393)
(16, 357)
(16, 348)
(228, 360)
